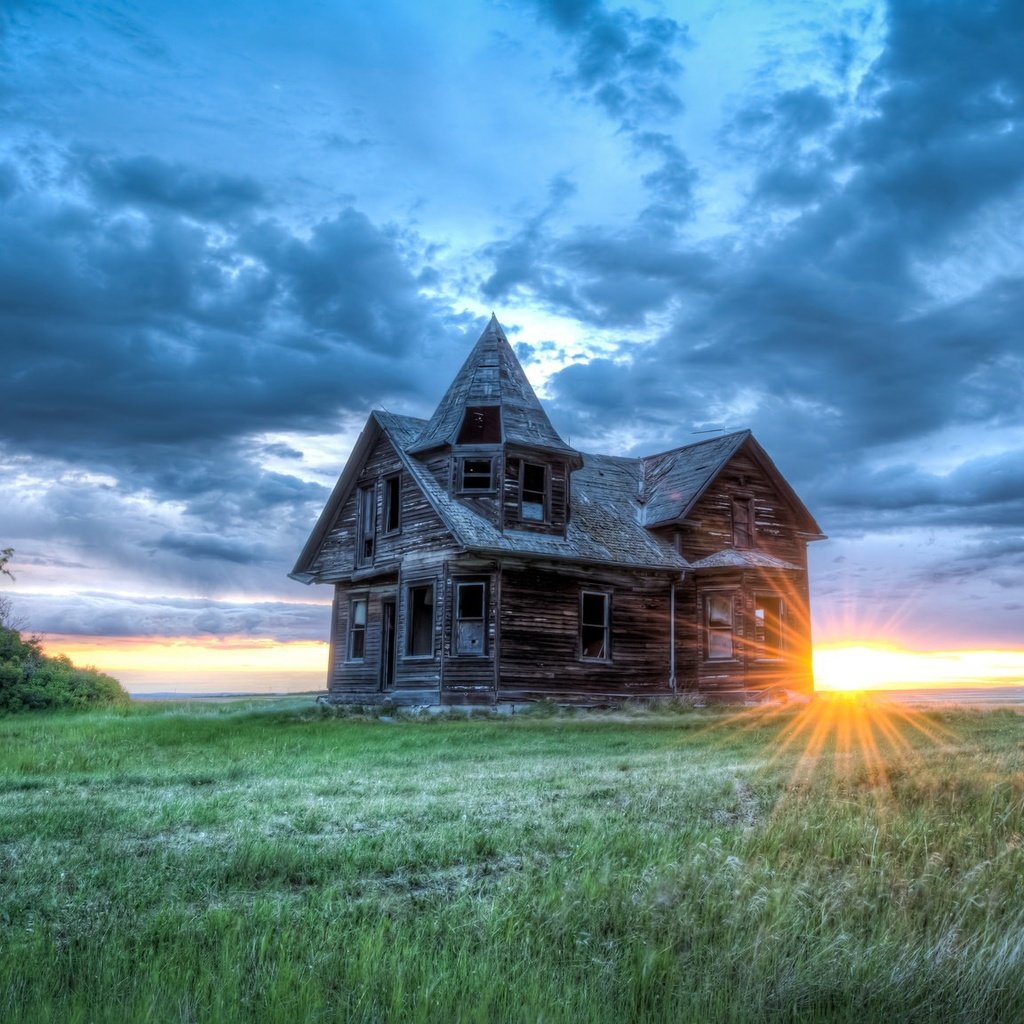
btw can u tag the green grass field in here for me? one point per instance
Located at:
(267, 862)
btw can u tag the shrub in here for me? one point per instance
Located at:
(31, 681)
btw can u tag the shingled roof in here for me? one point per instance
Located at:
(492, 376)
(604, 523)
(673, 480)
(615, 502)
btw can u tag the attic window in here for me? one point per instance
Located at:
(366, 524)
(742, 523)
(476, 475)
(481, 424)
(392, 504)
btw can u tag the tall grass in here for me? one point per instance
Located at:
(268, 862)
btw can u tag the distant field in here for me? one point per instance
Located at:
(261, 861)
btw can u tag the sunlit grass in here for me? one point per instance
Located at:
(844, 860)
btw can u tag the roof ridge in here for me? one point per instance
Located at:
(694, 444)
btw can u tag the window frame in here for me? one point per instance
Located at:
(352, 630)
(366, 510)
(717, 629)
(460, 470)
(760, 627)
(392, 482)
(545, 502)
(746, 503)
(407, 652)
(490, 418)
(606, 596)
(457, 618)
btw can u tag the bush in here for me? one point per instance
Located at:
(30, 681)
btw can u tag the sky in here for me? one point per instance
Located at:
(229, 230)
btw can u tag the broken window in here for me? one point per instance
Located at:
(768, 625)
(594, 620)
(742, 523)
(481, 424)
(533, 500)
(718, 623)
(366, 516)
(476, 475)
(357, 629)
(392, 504)
(470, 602)
(420, 624)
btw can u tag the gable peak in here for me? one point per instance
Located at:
(492, 377)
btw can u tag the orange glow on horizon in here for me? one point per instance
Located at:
(196, 663)
(187, 663)
(874, 665)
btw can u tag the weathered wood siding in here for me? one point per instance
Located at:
(708, 527)
(414, 676)
(540, 635)
(708, 530)
(421, 529)
(362, 676)
(469, 678)
(748, 669)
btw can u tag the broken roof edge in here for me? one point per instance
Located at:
(750, 558)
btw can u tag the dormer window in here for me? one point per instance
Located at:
(476, 475)
(533, 499)
(481, 424)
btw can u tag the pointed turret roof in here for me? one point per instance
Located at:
(492, 376)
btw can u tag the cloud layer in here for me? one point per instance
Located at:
(213, 264)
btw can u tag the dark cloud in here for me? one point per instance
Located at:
(626, 63)
(147, 181)
(93, 613)
(200, 263)
(210, 546)
(823, 325)
(126, 330)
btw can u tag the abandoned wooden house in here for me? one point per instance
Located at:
(477, 558)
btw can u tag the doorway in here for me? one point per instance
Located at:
(387, 661)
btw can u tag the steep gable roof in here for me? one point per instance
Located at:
(674, 481)
(604, 525)
(492, 376)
